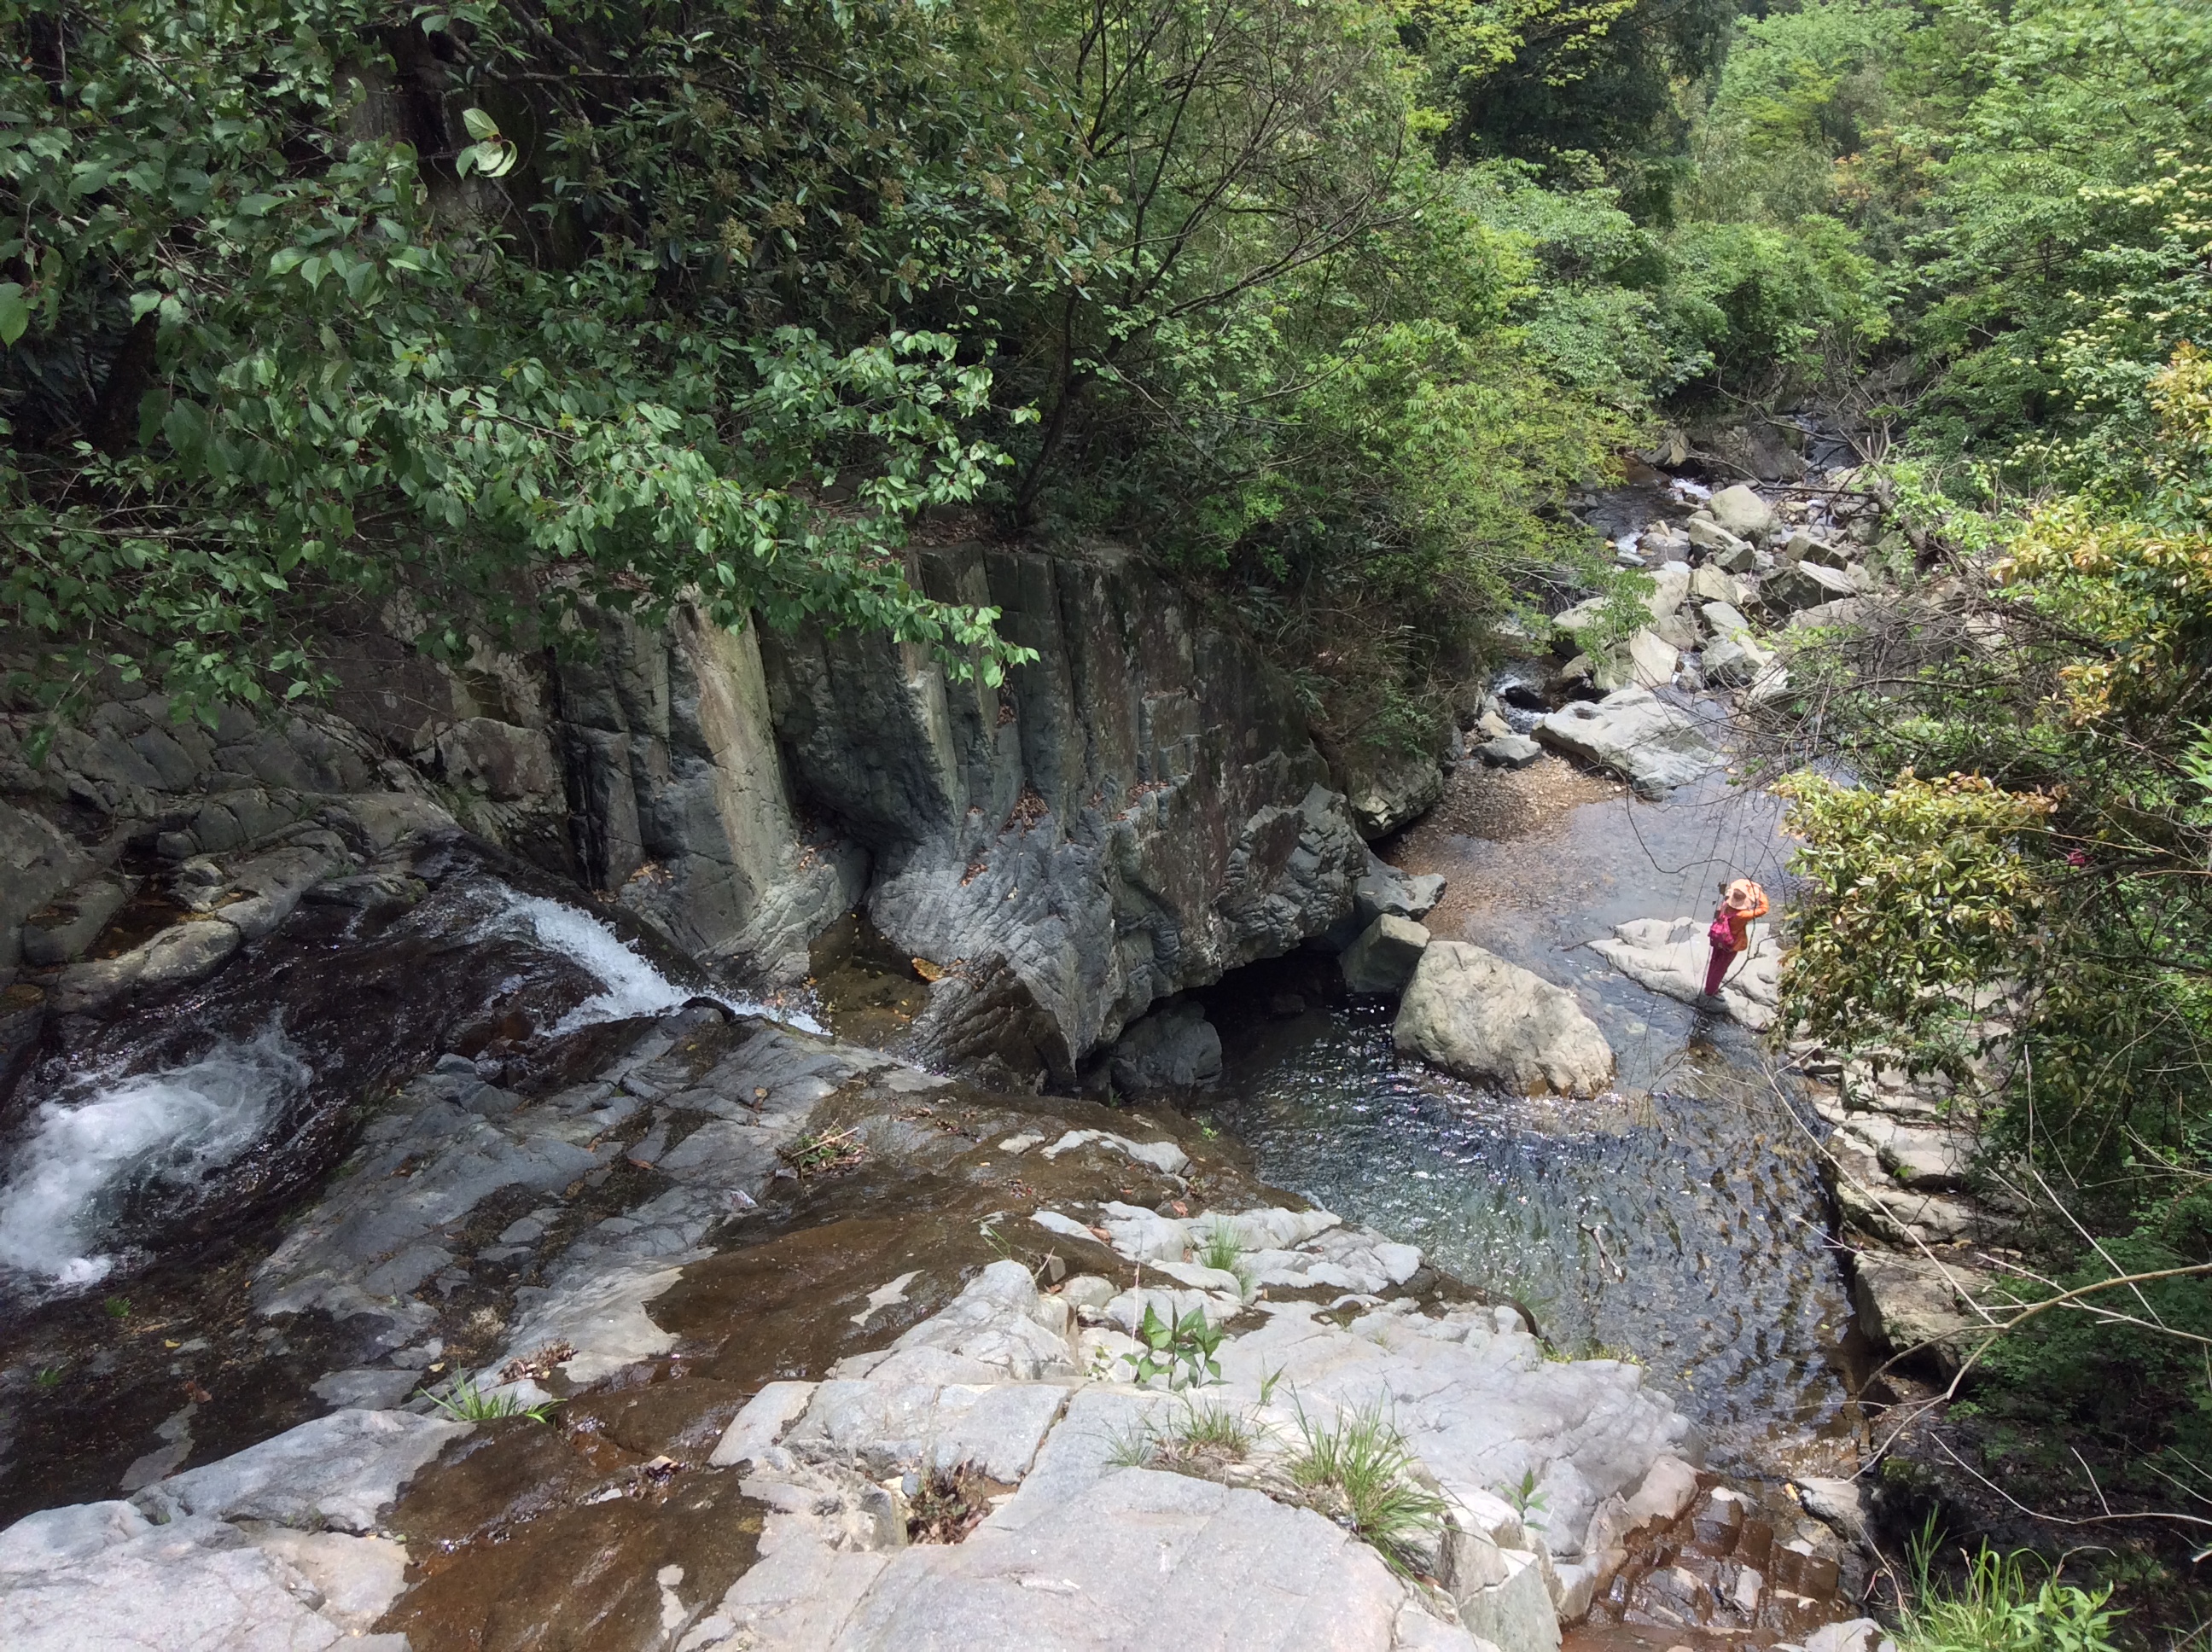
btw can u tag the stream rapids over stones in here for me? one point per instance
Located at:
(454, 1207)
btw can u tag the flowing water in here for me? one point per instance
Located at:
(1680, 1222)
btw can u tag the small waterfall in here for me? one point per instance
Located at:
(82, 1160)
(631, 986)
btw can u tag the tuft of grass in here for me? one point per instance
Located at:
(1997, 1610)
(465, 1402)
(49, 1378)
(1220, 1248)
(118, 1307)
(1359, 1473)
(1211, 1430)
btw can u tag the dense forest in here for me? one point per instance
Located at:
(505, 312)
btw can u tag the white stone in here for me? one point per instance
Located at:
(1651, 745)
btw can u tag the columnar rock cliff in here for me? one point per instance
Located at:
(1137, 811)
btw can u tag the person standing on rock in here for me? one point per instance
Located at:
(1742, 904)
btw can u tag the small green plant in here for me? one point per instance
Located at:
(1359, 1473)
(465, 1402)
(823, 1152)
(118, 1307)
(1996, 1610)
(1527, 1502)
(1223, 1250)
(1186, 1343)
(49, 1378)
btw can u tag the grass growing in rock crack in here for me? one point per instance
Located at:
(1221, 1249)
(1359, 1472)
(1196, 1437)
(465, 1402)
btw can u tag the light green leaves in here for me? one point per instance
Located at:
(15, 313)
(491, 154)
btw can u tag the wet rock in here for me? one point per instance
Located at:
(1804, 585)
(1510, 752)
(1742, 511)
(1171, 1051)
(366, 1389)
(1384, 957)
(1161, 1155)
(1650, 744)
(184, 953)
(1472, 1013)
(1671, 954)
(59, 932)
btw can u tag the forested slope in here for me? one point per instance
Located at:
(487, 314)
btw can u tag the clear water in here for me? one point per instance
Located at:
(1679, 1222)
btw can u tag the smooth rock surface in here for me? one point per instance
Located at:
(1670, 956)
(1653, 746)
(1741, 510)
(1472, 1013)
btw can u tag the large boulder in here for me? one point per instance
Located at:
(1470, 1012)
(1637, 736)
(1742, 511)
(1735, 662)
(1711, 583)
(1652, 659)
(1384, 957)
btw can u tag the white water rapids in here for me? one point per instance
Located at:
(80, 1160)
(83, 1158)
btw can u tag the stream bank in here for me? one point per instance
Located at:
(572, 1184)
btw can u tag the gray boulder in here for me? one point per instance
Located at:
(1384, 957)
(1742, 511)
(1632, 731)
(1170, 1051)
(1805, 585)
(1510, 752)
(1715, 540)
(1735, 662)
(1712, 584)
(1472, 1013)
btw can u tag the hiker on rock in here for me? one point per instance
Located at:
(1742, 904)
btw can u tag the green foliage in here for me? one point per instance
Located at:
(1995, 1609)
(1912, 898)
(465, 1402)
(1360, 1473)
(1181, 1350)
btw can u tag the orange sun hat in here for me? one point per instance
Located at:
(1744, 895)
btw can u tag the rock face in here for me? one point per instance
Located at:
(1632, 731)
(1472, 1013)
(1136, 813)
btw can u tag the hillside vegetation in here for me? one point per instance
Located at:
(488, 314)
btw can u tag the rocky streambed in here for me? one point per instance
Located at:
(403, 1244)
